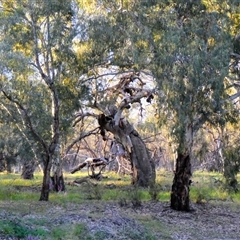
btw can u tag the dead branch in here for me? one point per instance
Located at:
(79, 181)
(92, 163)
(80, 117)
(80, 137)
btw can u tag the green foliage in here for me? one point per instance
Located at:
(232, 167)
(194, 61)
(51, 36)
(15, 228)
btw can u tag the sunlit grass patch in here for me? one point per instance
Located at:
(69, 176)
(155, 226)
(206, 174)
(112, 194)
(236, 197)
(164, 177)
(16, 179)
(164, 196)
(13, 187)
(206, 186)
(62, 197)
(13, 193)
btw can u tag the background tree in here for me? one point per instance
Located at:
(196, 47)
(187, 49)
(39, 74)
(111, 101)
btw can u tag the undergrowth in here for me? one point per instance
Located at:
(205, 188)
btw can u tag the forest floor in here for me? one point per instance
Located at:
(102, 220)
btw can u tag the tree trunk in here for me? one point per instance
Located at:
(180, 188)
(57, 182)
(143, 166)
(28, 170)
(46, 180)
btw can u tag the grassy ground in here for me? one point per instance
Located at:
(112, 209)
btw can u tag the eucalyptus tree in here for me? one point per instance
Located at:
(186, 46)
(114, 100)
(193, 63)
(230, 140)
(115, 83)
(39, 72)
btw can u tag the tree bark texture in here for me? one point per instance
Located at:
(180, 188)
(57, 182)
(46, 180)
(28, 170)
(143, 166)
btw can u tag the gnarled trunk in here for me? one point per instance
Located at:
(143, 166)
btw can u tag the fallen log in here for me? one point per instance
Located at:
(93, 163)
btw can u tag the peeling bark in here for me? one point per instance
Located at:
(143, 166)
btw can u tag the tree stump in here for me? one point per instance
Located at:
(180, 188)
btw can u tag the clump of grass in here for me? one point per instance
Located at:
(154, 191)
(17, 229)
(93, 191)
(122, 202)
(136, 196)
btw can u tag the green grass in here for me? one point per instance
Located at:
(19, 230)
(207, 187)
(74, 231)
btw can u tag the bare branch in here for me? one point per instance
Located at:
(235, 55)
(81, 116)
(129, 100)
(80, 137)
(27, 120)
(234, 96)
